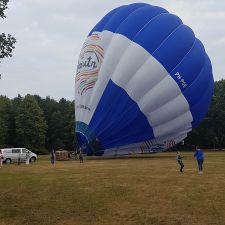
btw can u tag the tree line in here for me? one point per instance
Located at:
(41, 123)
(211, 132)
(36, 123)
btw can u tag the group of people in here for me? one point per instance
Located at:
(78, 154)
(199, 155)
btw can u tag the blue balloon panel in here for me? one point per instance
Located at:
(143, 82)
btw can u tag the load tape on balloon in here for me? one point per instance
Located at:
(143, 82)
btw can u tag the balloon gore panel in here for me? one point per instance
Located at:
(143, 82)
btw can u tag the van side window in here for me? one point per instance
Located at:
(8, 151)
(15, 150)
(24, 150)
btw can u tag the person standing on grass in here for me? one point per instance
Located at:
(81, 156)
(75, 154)
(199, 155)
(27, 157)
(180, 162)
(1, 158)
(18, 158)
(52, 156)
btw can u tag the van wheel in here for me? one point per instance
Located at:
(32, 159)
(8, 161)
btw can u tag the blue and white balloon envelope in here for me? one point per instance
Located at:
(143, 82)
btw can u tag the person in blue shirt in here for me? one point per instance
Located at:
(199, 155)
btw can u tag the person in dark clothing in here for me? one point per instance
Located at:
(180, 162)
(52, 156)
(81, 156)
(199, 155)
(18, 159)
(1, 158)
(75, 152)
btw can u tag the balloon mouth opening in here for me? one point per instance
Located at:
(91, 148)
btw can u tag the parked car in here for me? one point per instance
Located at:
(17, 154)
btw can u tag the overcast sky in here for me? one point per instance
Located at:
(50, 34)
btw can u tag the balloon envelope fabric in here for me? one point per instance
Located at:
(143, 82)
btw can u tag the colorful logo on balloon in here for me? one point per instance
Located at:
(89, 64)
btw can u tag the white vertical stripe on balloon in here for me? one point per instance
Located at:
(145, 80)
(112, 57)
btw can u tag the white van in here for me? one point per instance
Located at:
(17, 155)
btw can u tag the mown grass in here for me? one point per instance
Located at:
(132, 191)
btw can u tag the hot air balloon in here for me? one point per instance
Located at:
(143, 82)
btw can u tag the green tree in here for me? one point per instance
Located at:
(60, 119)
(218, 113)
(67, 110)
(7, 41)
(211, 131)
(12, 127)
(3, 7)
(21, 122)
(5, 112)
(30, 124)
(49, 106)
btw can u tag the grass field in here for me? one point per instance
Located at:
(128, 191)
